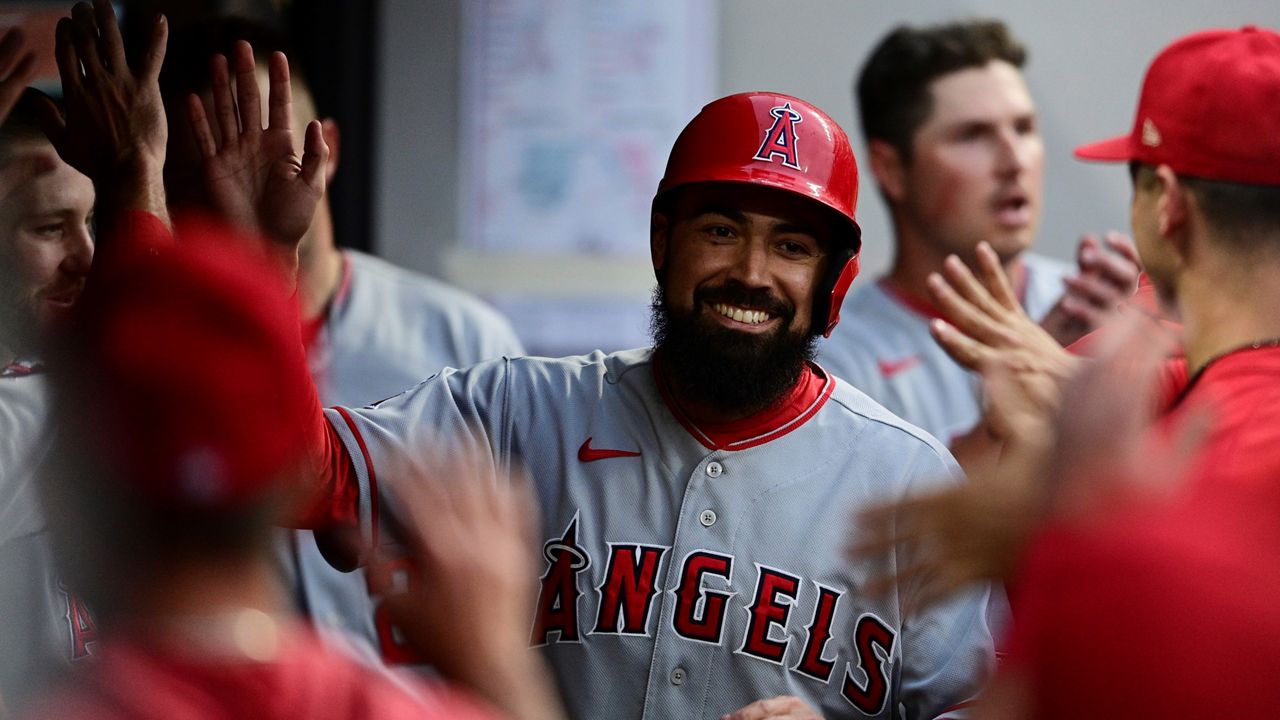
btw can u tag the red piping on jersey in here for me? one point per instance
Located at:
(374, 528)
(311, 327)
(810, 393)
(921, 306)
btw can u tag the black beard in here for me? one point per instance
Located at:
(732, 371)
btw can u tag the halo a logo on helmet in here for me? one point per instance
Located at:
(780, 140)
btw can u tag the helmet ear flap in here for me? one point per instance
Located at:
(830, 295)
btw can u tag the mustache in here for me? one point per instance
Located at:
(756, 299)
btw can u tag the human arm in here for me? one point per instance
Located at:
(1107, 277)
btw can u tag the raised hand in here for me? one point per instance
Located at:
(16, 68)
(114, 130)
(255, 176)
(474, 539)
(1106, 280)
(989, 327)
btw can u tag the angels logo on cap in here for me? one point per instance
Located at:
(780, 140)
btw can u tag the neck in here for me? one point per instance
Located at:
(319, 265)
(916, 256)
(1227, 303)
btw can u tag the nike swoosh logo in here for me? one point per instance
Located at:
(889, 368)
(587, 454)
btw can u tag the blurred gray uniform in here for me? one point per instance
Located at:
(882, 346)
(689, 571)
(386, 329)
(43, 627)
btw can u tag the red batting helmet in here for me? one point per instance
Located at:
(781, 142)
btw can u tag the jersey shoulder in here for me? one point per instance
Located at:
(381, 291)
(874, 327)
(882, 431)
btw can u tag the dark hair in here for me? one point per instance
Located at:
(1245, 215)
(23, 122)
(893, 87)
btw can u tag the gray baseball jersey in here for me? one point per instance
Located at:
(43, 626)
(387, 329)
(688, 571)
(882, 346)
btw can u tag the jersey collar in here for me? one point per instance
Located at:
(802, 402)
(22, 367)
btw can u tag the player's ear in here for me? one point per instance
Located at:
(659, 234)
(332, 138)
(1174, 207)
(888, 168)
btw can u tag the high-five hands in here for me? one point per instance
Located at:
(253, 175)
(114, 130)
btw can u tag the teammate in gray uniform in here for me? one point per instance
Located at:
(373, 328)
(46, 247)
(957, 155)
(694, 496)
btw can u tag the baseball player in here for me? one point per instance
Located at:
(1162, 609)
(46, 247)
(182, 397)
(957, 154)
(694, 496)
(372, 328)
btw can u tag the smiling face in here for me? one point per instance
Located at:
(740, 268)
(46, 245)
(977, 165)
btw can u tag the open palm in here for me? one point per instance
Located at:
(254, 176)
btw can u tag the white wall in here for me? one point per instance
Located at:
(1086, 63)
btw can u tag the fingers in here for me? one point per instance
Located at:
(1096, 290)
(280, 93)
(153, 59)
(16, 71)
(961, 279)
(68, 65)
(315, 156)
(247, 98)
(224, 109)
(967, 317)
(1123, 246)
(966, 351)
(11, 45)
(84, 37)
(995, 279)
(199, 122)
(110, 44)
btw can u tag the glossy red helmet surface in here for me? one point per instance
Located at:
(781, 142)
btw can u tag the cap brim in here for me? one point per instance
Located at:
(1115, 149)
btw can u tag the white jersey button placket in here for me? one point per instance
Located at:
(714, 469)
(707, 518)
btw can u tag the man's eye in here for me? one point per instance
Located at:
(795, 249)
(719, 231)
(49, 230)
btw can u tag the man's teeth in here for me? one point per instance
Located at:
(750, 317)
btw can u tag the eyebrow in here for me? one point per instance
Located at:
(736, 215)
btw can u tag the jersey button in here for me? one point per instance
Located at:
(677, 676)
(707, 518)
(714, 469)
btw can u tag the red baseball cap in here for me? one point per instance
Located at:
(191, 380)
(1210, 108)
